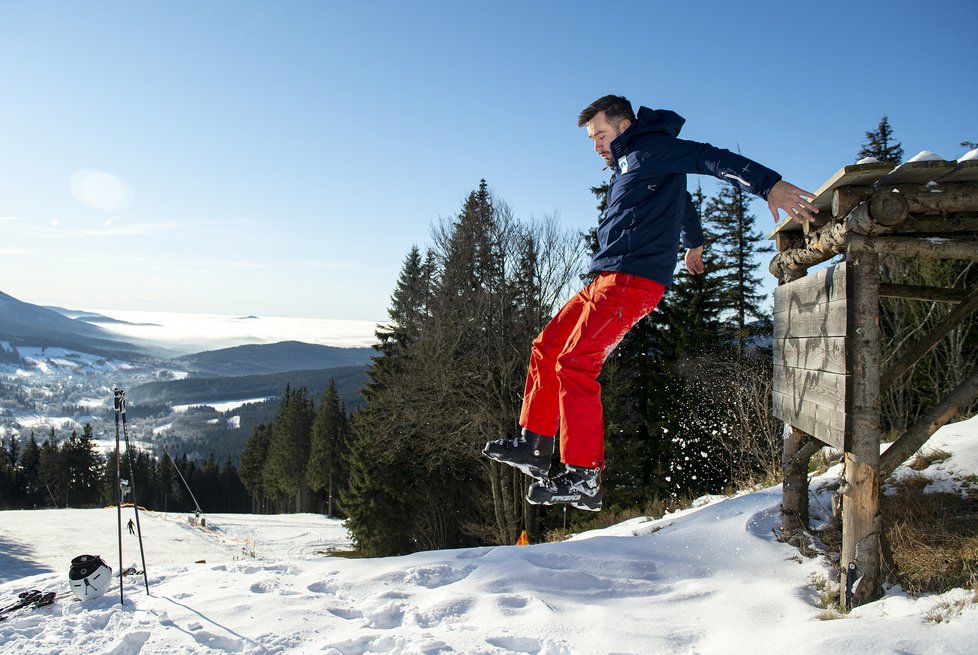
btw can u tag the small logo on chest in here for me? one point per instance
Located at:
(623, 164)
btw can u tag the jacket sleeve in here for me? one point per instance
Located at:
(691, 234)
(667, 154)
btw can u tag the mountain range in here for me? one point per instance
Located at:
(24, 324)
(239, 372)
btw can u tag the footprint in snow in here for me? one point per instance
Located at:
(217, 642)
(344, 613)
(264, 587)
(433, 577)
(385, 617)
(513, 602)
(130, 644)
(529, 646)
(322, 587)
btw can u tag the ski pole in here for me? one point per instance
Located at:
(132, 487)
(119, 394)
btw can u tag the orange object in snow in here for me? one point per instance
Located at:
(523, 540)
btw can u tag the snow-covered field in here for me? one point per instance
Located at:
(711, 579)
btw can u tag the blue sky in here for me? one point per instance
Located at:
(281, 158)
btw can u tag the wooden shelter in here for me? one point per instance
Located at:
(827, 360)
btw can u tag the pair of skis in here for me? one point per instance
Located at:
(31, 598)
(34, 598)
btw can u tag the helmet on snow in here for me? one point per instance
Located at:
(89, 576)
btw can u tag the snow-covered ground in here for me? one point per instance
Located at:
(710, 579)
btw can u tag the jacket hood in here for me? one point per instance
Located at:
(648, 121)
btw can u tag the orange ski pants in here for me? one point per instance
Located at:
(562, 390)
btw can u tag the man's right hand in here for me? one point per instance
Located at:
(694, 260)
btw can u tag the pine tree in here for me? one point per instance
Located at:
(252, 472)
(85, 467)
(54, 473)
(329, 451)
(738, 246)
(9, 496)
(376, 509)
(417, 479)
(881, 144)
(288, 450)
(30, 464)
(408, 313)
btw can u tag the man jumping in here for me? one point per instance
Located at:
(649, 214)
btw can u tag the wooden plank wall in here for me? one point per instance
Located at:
(810, 378)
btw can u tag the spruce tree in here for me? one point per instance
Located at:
(881, 144)
(30, 465)
(72, 469)
(738, 247)
(252, 471)
(417, 479)
(377, 511)
(408, 313)
(288, 450)
(54, 472)
(329, 451)
(9, 496)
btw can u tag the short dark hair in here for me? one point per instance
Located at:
(615, 108)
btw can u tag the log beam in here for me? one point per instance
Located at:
(933, 419)
(915, 292)
(934, 247)
(931, 225)
(929, 341)
(877, 215)
(938, 199)
(820, 246)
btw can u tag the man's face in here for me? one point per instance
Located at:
(603, 132)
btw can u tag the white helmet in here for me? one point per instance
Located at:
(89, 576)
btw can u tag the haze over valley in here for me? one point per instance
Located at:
(199, 383)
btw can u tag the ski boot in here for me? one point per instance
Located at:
(530, 453)
(577, 486)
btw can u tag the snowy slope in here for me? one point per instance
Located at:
(711, 579)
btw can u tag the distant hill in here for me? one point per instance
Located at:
(349, 381)
(24, 324)
(256, 359)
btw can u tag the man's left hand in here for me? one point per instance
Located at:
(694, 260)
(794, 201)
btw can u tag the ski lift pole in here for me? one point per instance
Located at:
(119, 394)
(132, 487)
(184, 480)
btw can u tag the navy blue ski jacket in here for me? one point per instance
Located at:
(649, 210)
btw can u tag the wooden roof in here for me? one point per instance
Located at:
(920, 172)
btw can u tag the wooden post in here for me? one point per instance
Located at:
(794, 501)
(799, 447)
(860, 561)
